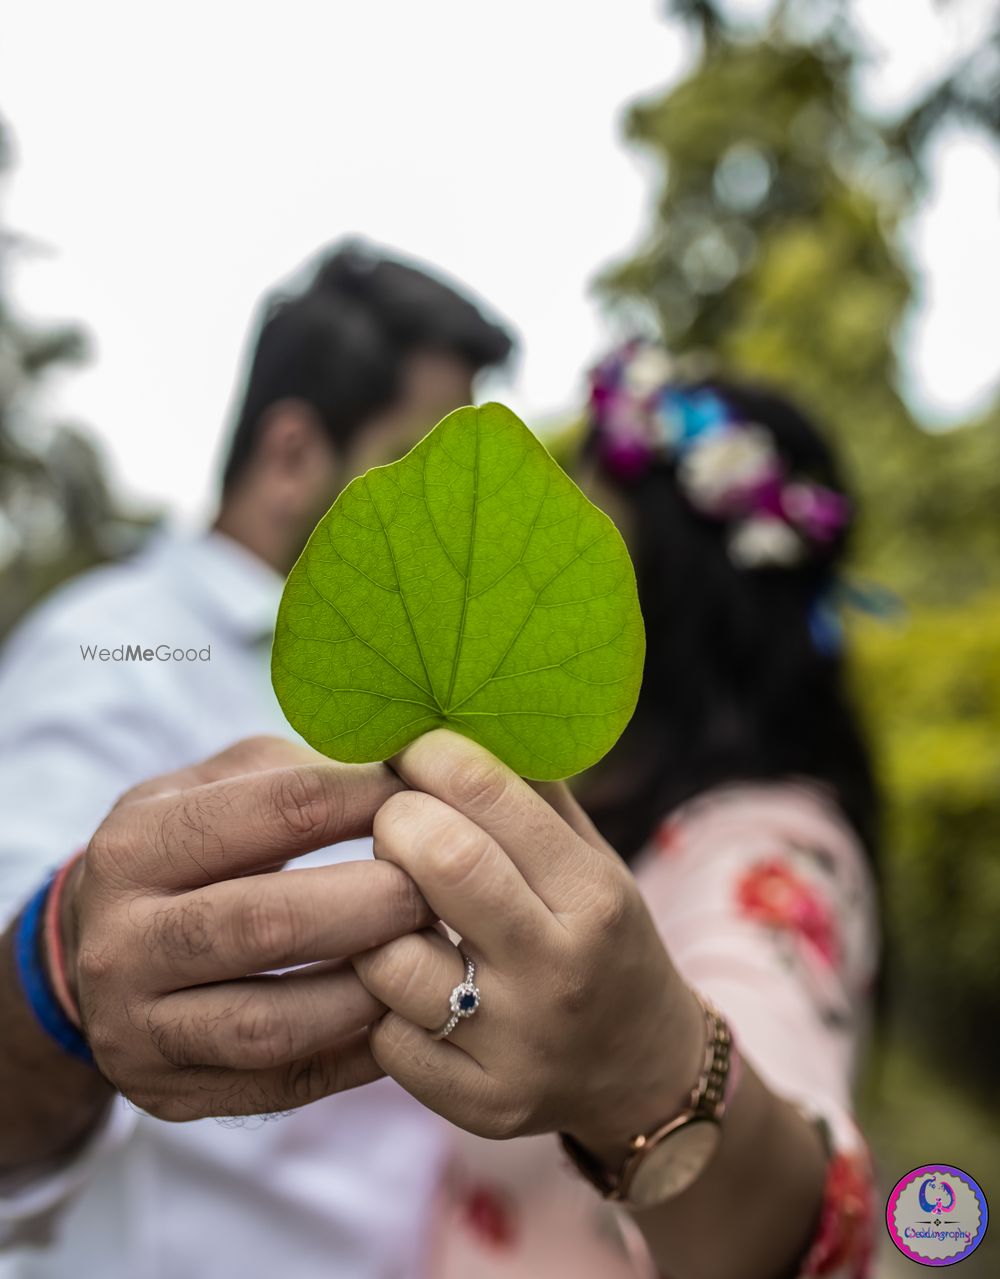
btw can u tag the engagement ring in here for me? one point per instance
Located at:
(463, 1001)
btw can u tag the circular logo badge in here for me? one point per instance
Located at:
(936, 1215)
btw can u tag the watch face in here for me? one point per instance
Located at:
(671, 1166)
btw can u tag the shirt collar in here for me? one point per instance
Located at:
(228, 582)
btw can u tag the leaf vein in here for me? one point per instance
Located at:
(402, 594)
(361, 639)
(460, 638)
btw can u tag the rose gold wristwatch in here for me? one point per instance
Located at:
(662, 1163)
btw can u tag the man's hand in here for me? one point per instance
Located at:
(175, 915)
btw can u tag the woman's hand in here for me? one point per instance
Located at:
(585, 1025)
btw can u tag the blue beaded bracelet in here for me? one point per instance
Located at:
(35, 983)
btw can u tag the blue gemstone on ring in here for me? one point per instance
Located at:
(467, 1002)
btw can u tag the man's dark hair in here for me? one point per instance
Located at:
(342, 342)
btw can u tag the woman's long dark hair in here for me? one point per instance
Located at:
(736, 686)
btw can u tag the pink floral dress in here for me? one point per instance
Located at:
(766, 903)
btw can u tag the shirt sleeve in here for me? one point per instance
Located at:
(767, 904)
(73, 737)
(71, 741)
(30, 1200)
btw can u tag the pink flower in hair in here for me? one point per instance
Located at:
(819, 512)
(729, 469)
(722, 473)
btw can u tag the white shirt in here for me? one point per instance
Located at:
(341, 1189)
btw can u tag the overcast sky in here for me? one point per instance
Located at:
(177, 160)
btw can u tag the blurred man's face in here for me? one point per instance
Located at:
(433, 385)
(298, 472)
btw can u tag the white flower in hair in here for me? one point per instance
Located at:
(720, 466)
(765, 541)
(649, 369)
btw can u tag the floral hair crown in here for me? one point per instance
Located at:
(728, 469)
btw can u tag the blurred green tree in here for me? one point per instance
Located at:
(57, 514)
(775, 251)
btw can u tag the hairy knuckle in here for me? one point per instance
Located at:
(266, 931)
(184, 815)
(96, 962)
(262, 1038)
(181, 932)
(103, 1036)
(170, 1042)
(306, 1080)
(178, 831)
(299, 799)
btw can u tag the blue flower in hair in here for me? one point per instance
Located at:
(686, 416)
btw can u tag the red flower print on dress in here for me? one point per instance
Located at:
(844, 1242)
(490, 1215)
(667, 838)
(771, 892)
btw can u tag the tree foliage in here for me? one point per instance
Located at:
(775, 252)
(57, 515)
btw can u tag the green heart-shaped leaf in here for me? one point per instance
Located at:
(470, 584)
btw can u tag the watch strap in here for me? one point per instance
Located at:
(709, 1098)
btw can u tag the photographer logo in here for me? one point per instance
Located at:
(936, 1215)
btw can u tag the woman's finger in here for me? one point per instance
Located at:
(447, 1081)
(559, 796)
(262, 1022)
(551, 856)
(464, 875)
(414, 976)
